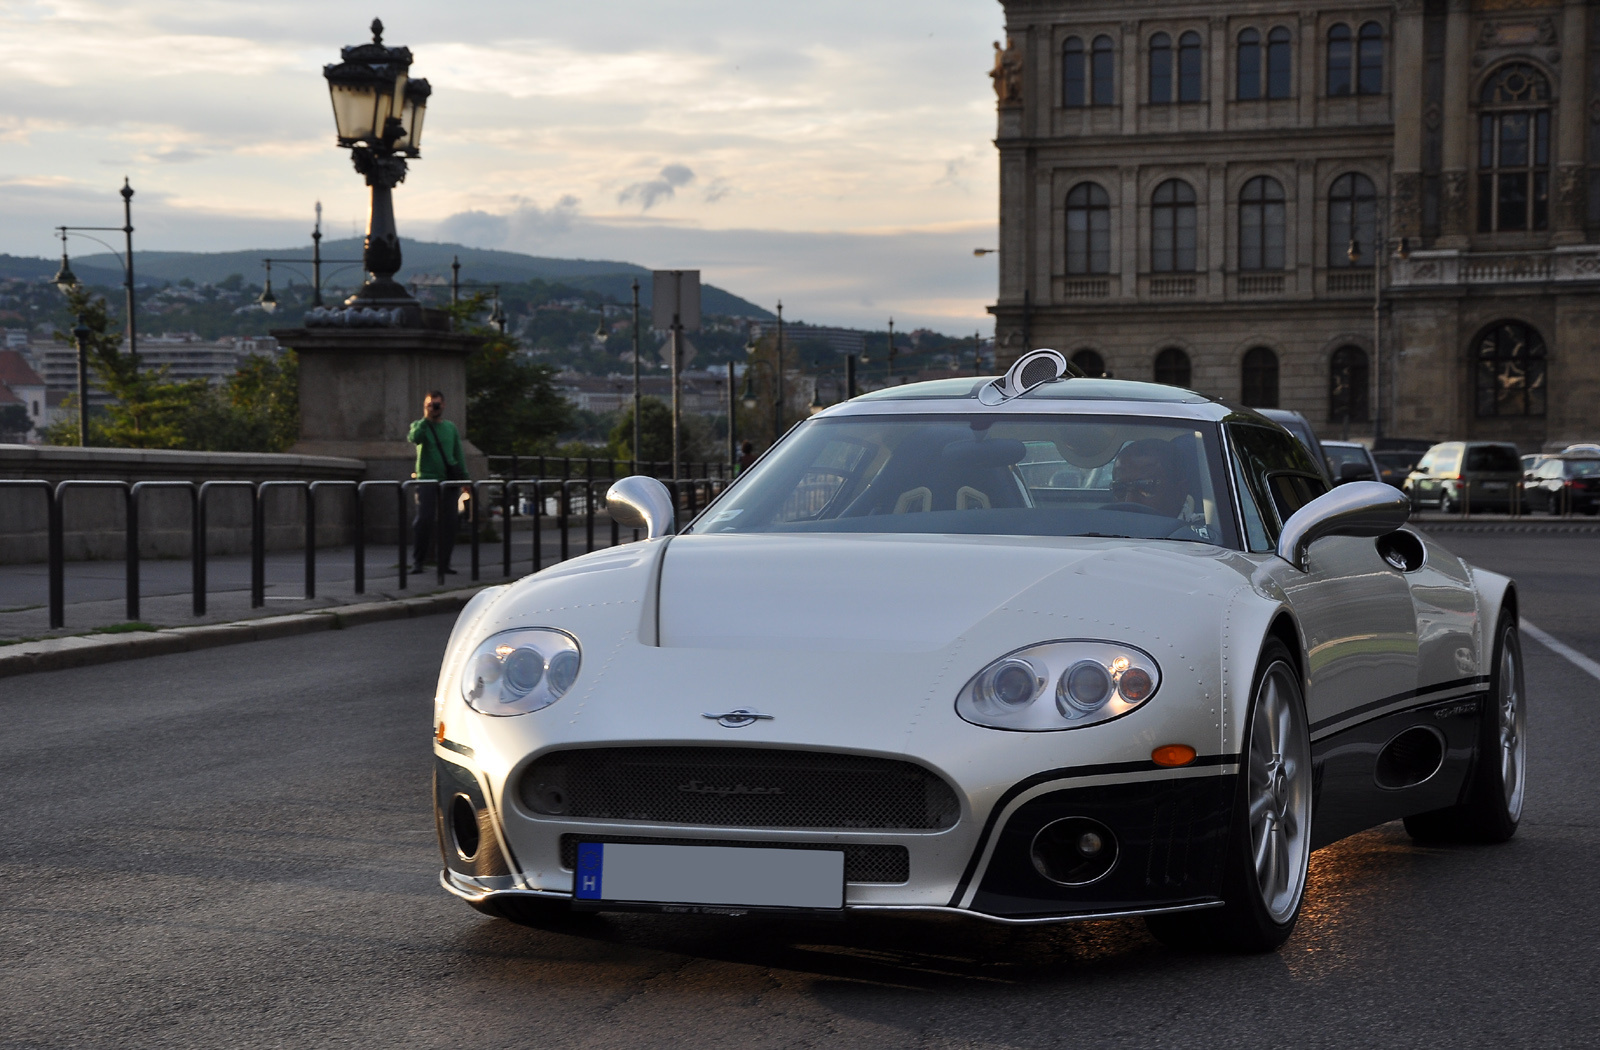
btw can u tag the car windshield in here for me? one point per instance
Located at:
(1493, 458)
(986, 475)
(1339, 455)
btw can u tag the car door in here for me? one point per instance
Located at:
(1358, 627)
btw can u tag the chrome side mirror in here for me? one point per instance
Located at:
(641, 502)
(1360, 508)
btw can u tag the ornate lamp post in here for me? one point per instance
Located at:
(378, 109)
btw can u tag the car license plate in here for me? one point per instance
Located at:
(726, 876)
(1494, 486)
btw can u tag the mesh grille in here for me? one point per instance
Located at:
(862, 863)
(739, 787)
(1041, 370)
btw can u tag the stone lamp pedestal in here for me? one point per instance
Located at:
(363, 375)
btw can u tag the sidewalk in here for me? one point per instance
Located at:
(95, 590)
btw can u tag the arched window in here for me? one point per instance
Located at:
(1352, 217)
(1088, 229)
(1261, 218)
(1189, 67)
(1172, 226)
(1278, 65)
(1103, 72)
(1172, 367)
(1514, 150)
(1510, 370)
(1073, 83)
(1161, 68)
(1249, 65)
(1259, 386)
(1369, 60)
(1341, 80)
(1091, 364)
(1347, 385)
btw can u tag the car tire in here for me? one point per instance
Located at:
(1269, 843)
(1491, 801)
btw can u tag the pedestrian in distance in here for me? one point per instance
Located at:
(439, 458)
(747, 455)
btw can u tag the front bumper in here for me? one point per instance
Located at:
(1170, 827)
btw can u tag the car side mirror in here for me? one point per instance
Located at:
(641, 502)
(1361, 508)
(1349, 472)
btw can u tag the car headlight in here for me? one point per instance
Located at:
(1059, 685)
(515, 672)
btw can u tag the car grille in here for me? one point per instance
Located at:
(862, 863)
(739, 787)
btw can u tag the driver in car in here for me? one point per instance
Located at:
(1148, 473)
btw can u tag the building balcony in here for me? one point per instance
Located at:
(1349, 282)
(1442, 268)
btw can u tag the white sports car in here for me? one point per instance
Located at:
(1027, 649)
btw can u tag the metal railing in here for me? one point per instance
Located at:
(598, 468)
(565, 504)
(1513, 498)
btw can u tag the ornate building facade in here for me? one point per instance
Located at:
(1385, 216)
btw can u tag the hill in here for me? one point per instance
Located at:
(424, 260)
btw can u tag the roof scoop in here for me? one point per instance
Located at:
(1034, 368)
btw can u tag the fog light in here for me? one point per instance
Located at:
(1074, 851)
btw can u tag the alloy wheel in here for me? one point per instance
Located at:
(1279, 793)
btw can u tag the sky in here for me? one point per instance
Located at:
(834, 155)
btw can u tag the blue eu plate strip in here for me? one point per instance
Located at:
(591, 864)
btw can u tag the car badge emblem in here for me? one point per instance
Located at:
(738, 718)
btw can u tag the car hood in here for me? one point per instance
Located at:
(912, 594)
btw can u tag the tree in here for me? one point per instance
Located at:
(256, 410)
(148, 410)
(513, 406)
(655, 434)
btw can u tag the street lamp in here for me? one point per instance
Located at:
(1353, 253)
(378, 110)
(66, 280)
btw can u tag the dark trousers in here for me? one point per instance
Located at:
(423, 526)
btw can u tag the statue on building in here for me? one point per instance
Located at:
(1007, 73)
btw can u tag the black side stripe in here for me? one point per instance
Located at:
(1065, 773)
(1354, 712)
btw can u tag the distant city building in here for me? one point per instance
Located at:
(1197, 193)
(21, 386)
(186, 356)
(843, 341)
(704, 393)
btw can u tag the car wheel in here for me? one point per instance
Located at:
(1269, 844)
(1446, 504)
(1492, 801)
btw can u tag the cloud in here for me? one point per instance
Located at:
(525, 223)
(661, 188)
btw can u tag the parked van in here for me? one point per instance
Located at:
(1484, 475)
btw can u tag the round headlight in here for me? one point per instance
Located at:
(563, 672)
(1009, 683)
(1083, 688)
(1135, 684)
(515, 672)
(523, 669)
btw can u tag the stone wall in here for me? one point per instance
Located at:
(94, 519)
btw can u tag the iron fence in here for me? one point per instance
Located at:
(564, 504)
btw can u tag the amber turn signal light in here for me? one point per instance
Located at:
(439, 736)
(1172, 755)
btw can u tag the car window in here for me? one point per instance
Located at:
(1583, 468)
(1278, 472)
(1493, 458)
(1425, 464)
(1020, 475)
(1339, 455)
(1449, 462)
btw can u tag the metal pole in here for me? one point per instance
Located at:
(733, 437)
(850, 377)
(80, 335)
(977, 353)
(777, 404)
(1381, 247)
(316, 264)
(127, 232)
(889, 375)
(455, 278)
(677, 380)
(635, 468)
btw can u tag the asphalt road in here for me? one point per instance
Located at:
(234, 848)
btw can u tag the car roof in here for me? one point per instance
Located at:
(1120, 397)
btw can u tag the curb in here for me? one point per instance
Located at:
(55, 654)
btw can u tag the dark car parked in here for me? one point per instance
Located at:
(1349, 461)
(1484, 475)
(1566, 483)
(1395, 464)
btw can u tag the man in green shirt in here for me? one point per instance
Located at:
(439, 458)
